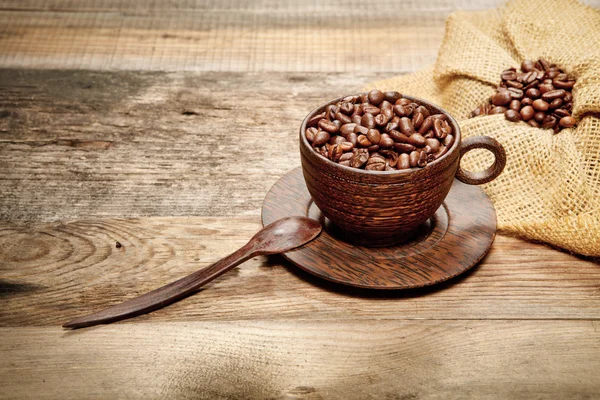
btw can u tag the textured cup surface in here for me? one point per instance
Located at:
(378, 208)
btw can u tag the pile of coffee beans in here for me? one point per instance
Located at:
(539, 94)
(379, 131)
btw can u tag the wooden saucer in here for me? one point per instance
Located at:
(448, 244)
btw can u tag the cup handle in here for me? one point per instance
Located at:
(481, 177)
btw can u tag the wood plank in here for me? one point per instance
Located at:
(359, 359)
(129, 144)
(332, 36)
(53, 272)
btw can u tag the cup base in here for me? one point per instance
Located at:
(418, 234)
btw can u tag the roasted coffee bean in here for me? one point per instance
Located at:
(336, 139)
(404, 147)
(539, 116)
(422, 160)
(347, 129)
(527, 66)
(346, 156)
(363, 98)
(560, 84)
(509, 75)
(315, 120)
(311, 133)
(434, 144)
(403, 161)
(427, 125)
(346, 146)
(381, 120)
(561, 112)
(352, 138)
(371, 109)
(515, 105)
(347, 107)
(515, 93)
(556, 103)
(343, 118)
(386, 141)
(566, 122)
(363, 141)
(361, 130)
(533, 93)
(321, 138)
(390, 126)
(554, 94)
(414, 158)
(417, 120)
(406, 126)
(448, 141)
(403, 110)
(374, 136)
(373, 148)
(437, 129)
(514, 84)
(356, 119)
(501, 98)
(540, 105)
(375, 97)
(423, 110)
(534, 123)
(328, 126)
(398, 137)
(512, 115)
(443, 150)
(498, 110)
(416, 140)
(544, 64)
(568, 97)
(549, 122)
(392, 96)
(375, 163)
(527, 113)
(368, 121)
(330, 111)
(526, 102)
(335, 152)
(546, 87)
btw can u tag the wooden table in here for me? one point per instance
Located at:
(162, 127)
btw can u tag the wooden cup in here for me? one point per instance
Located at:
(382, 208)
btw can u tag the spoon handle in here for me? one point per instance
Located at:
(164, 295)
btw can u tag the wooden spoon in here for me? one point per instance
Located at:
(278, 237)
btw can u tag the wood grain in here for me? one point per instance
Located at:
(55, 271)
(236, 35)
(131, 144)
(358, 359)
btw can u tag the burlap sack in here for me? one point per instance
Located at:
(550, 189)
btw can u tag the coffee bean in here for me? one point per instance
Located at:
(533, 93)
(512, 115)
(381, 120)
(335, 152)
(526, 102)
(527, 66)
(404, 147)
(403, 110)
(361, 130)
(406, 126)
(515, 105)
(321, 138)
(359, 158)
(563, 84)
(427, 125)
(386, 141)
(347, 107)
(434, 144)
(498, 110)
(556, 103)
(398, 137)
(375, 97)
(515, 93)
(336, 139)
(414, 158)
(423, 110)
(540, 105)
(416, 140)
(371, 109)
(549, 122)
(390, 126)
(514, 84)
(438, 129)
(368, 121)
(554, 94)
(346, 156)
(343, 118)
(417, 120)
(509, 75)
(533, 123)
(392, 96)
(561, 112)
(347, 129)
(315, 120)
(356, 119)
(568, 97)
(501, 98)
(363, 141)
(566, 122)
(527, 113)
(539, 116)
(422, 162)
(346, 146)
(352, 138)
(403, 161)
(311, 133)
(328, 126)
(375, 163)
(373, 148)
(374, 136)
